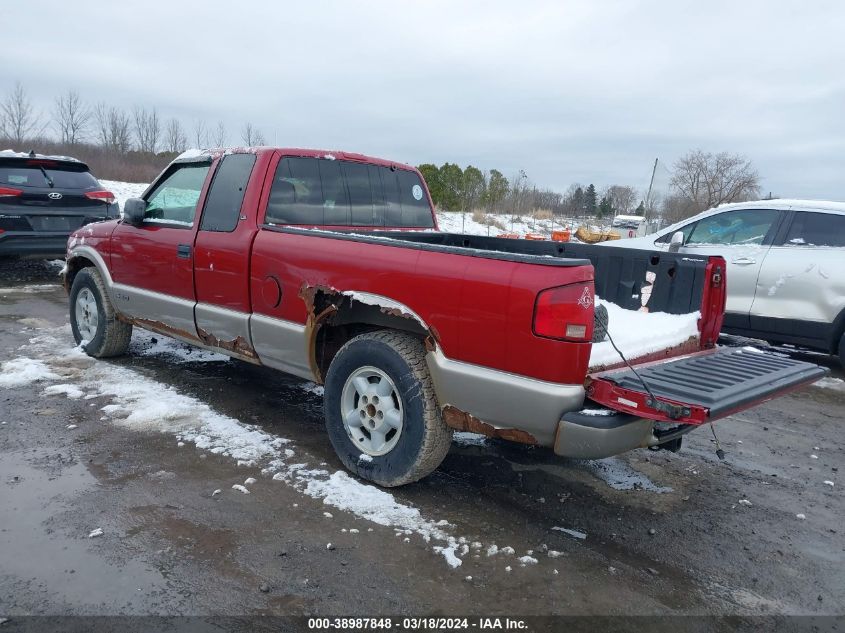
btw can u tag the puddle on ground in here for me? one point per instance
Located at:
(59, 558)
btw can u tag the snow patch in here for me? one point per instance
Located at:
(619, 475)
(469, 439)
(24, 371)
(837, 384)
(573, 533)
(71, 391)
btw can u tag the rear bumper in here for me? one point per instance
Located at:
(582, 436)
(45, 243)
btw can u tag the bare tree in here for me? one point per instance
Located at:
(174, 138)
(18, 118)
(147, 129)
(201, 134)
(221, 136)
(71, 117)
(707, 180)
(252, 136)
(623, 198)
(520, 186)
(113, 128)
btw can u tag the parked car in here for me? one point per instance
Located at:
(785, 261)
(325, 266)
(43, 199)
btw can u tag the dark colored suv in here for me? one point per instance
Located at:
(43, 199)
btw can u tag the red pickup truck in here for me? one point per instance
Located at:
(329, 266)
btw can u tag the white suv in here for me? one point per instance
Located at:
(786, 267)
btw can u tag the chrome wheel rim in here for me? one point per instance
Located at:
(87, 316)
(371, 409)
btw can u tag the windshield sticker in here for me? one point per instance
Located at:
(416, 191)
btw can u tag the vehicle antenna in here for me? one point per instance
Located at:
(719, 452)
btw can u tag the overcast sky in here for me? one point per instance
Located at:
(568, 91)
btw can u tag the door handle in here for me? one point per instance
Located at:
(743, 261)
(183, 251)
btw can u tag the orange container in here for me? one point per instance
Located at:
(561, 236)
(535, 236)
(509, 236)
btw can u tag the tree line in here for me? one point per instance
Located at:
(469, 189)
(134, 145)
(117, 143)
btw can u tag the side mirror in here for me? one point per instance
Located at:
(676, 242)
(133, 211)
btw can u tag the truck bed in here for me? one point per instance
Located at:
(632, 279)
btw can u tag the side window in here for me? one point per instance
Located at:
(296, 196)
(686, 230)
(745, 226)
(817, 229)
(226, 195)
(307, 191)
(174, 201)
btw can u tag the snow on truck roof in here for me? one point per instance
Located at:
(292, 151)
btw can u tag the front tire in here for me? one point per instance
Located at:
(93, 319)
(381, 413)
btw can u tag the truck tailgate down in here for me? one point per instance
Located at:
(701, 387)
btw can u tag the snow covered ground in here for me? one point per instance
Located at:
(143, 404)
(450, 222)
(124, 190)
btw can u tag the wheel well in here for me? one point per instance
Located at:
(73, 267)
(339, 318)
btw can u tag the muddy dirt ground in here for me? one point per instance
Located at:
(647, 533)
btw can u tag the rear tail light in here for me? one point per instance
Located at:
(8, 192)
(105, 196)
(565, 313)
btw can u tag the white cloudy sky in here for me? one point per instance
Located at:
(568, 91)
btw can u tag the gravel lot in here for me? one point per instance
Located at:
(647, 533)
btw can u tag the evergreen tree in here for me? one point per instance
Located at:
(605, 207)
(472, 186)
(497, 189)
(451, 178)
(431, 174)
(578, 200)
(640, 209)
(590, 200)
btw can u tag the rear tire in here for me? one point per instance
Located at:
(93, 319)
(381, 413)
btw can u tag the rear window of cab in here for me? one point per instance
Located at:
(328, 192)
